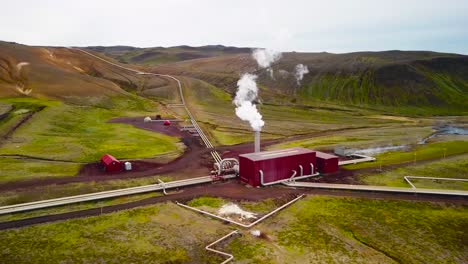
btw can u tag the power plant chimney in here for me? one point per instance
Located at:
(257, 141)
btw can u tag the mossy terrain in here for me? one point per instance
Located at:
(450, 167)
(76, 134)
(162, 233)
(435, 150)
(316, 229)
(350, 230)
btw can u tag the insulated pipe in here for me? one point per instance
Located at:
(230, 257)
(312, 169)
(224, 161)
(262, 181)
(241, 224)
(407, 179)
(301, 170)
(294, 174)
(305, 176)
(409, 182)
(163, 186)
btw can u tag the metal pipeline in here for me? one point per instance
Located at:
(292, 178)
(301, 170)
(294, 175)
(230, 257)
(163, 186)
(409, 182)
(227, 164)
(407, 179)
(262, 181)
(241, 224)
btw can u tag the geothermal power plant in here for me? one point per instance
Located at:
(263, 168)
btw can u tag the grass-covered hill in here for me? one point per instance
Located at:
(395, 79)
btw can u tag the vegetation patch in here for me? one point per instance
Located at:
(22, 169)
(349, 230)
(212, 202)
(82, 134)
(420, 152)
(453, 167)
(163, 233)
(63, 190)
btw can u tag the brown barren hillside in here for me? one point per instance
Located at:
(66, 74)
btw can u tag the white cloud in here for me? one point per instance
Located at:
(293, 25)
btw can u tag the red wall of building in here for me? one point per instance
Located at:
(326, 163)
(276, 165)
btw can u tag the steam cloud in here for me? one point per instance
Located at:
(265, 57)
(247, 90)
(300, 70)
(246, 93)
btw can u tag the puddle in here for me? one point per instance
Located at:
(378, 150)
(445, 130)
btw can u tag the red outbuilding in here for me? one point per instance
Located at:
(111, 164)
(275, 165)
(326, 163)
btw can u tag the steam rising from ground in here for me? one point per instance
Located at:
(234, 209)
(265, 57)
(247, 93)
(300, 70)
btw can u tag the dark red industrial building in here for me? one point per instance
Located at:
(111, 164)
(326, 163)
(276, 165)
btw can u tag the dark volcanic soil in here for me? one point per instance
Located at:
(172, 130)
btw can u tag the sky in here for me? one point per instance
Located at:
(289, 25)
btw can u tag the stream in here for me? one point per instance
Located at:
(443, 130)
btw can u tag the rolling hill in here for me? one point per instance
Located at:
(158, 55)
(392, 79)
(68, 75)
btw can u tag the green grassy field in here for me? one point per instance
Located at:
(452, 167)
(79, 134)
(316, 229)
(418, 153)
(214, 109)
(348, 230)
(20, 169)
(362, 138)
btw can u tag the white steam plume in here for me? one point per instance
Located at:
(300, 70)
(265, 58)
(271, 72)
(246, 93)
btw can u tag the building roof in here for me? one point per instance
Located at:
(108, 159)
(324, 155)
(266, 155)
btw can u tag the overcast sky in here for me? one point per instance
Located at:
(287, 25)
